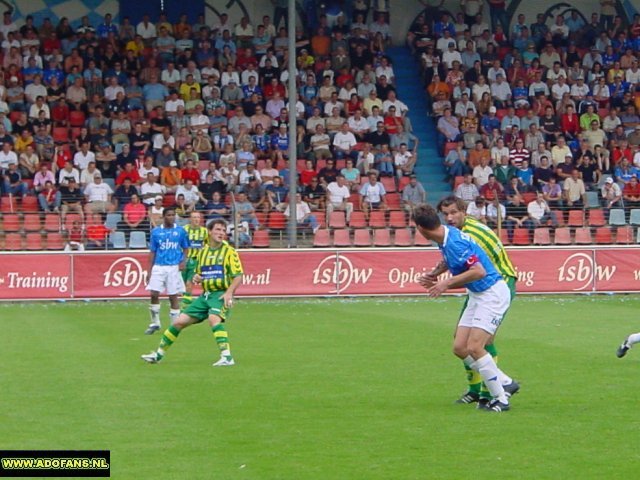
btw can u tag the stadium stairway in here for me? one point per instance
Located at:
(429, 168)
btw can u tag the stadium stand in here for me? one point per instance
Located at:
(458, 98)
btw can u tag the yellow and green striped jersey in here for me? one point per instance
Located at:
(491, 244)
(198, 238)
(218, 267)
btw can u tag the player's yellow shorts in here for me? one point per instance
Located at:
(207, 304)
(189, 270)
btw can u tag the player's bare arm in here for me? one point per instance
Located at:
(475, 272)
(427, 280)
(228, 295)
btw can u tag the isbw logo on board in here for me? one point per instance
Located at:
(127, 273)
(582, 269)
(340, 272)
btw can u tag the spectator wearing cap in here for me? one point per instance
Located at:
(98, 196)
(232, 95)
(611, 194)
(171, 176)
(15, 95)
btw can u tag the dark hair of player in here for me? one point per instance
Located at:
(426, 216)
(167, 210)
(216, 221)
(452, 200)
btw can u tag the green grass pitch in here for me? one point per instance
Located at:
(325, 389)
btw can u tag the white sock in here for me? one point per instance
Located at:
(469, 361)
(490, 374)
(504, 378)
(226, 353)
(633, 339)
(154, 310)
(174, 313)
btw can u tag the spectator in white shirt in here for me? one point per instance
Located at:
(338, 194)
(477, 209)
(98, 195)
(83, 157)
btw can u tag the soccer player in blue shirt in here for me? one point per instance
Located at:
(168, 255)
(489, 299)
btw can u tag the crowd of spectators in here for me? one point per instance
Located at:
(130, 118)
(533, 117)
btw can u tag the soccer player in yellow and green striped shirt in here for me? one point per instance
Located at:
(198, 237)
(454, 210)
(219, 270)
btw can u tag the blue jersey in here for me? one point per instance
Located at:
(168, 244)
(460, 253)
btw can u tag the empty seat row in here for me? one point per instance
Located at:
(364, 237)
(377, 219)
(622, 235)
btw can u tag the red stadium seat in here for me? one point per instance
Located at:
(60, 114)
(389, 184)
(504, 236)
(337, 220)
(560, 217)
(381, 238)
(76, 118)
(322, 239)
(521, 236)
(168, 200)
(529, 197)
(13, 241)
(33, 241)
(14, 116)
(597, 218)
(603, 235)
(61, 134)
(583, 236)
(459, 180)
(321, 218)
(361, 237)
(576, 218)
(55, 241)
(261, 239)
(377, 219)
(357, 220)
(449, 146)
(404, 181)
(397, 219)
(10, 222)
(32, 222)
(563, 236)
(341, 238)
(402, 237)
(70, 218)
(262, 218)
(52, 222)
(542, 236)
(30, 204)
(355, 200)
(624, 235)
(277, 221)
(394, 201)
(8, 204)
